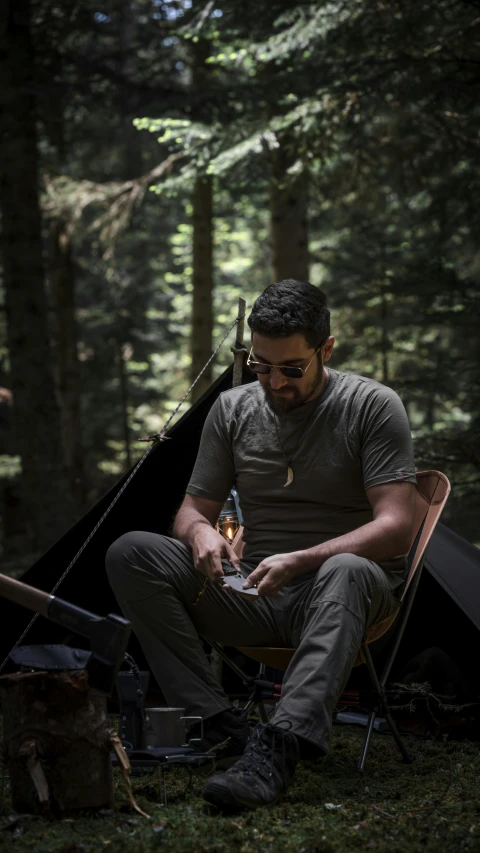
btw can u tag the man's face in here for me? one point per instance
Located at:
(283, 393)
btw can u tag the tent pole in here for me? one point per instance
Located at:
(238, 348)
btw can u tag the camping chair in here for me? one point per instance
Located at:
(431, 494)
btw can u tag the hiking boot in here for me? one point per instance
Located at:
(226, 734)
(262, 776)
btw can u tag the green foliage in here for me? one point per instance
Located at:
(377, 104)
(185, 135)
(10, 466)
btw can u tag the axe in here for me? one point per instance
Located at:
(108, 635)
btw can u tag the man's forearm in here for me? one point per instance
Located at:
(379, 540)
(185, 523)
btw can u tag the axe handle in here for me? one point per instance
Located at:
(26, 596)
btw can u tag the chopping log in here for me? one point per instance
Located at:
(57, 742)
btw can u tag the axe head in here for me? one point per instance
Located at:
(109, 639)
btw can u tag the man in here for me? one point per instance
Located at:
(323, 464)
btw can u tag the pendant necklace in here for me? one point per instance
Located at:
(288, 459)
(290, 472)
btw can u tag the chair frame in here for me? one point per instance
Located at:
(262, 690)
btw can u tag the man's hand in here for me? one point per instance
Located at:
(194, 527)
(272, 573)
(208, 549)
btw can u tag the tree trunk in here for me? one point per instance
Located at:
(36, 410)
(129, 137)
(62, 279)
(123, 377)
(385, 341)
(202, 303)
(202, 308)
(288, 218)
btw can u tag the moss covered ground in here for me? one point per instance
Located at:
(429, 805)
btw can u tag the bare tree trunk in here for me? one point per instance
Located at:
(36, 409)
(62, 279)
(130, 167)
(202, 307)
(202, 303)
(122, 375)
(430, 397)
(385, 341)
(130, 138)
(288, 218)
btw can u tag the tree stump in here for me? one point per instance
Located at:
(56, 742)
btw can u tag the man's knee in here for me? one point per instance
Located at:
(129, 557)
(123, 549)
(344, 568)
(346, 580)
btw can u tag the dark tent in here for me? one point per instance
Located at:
(446, 612)
(455, 565)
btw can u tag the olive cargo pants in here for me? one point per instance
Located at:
(323, 615)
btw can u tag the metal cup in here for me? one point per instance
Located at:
(167, 727)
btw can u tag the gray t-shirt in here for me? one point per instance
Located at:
(353, 435)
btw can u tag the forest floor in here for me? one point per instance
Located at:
(429, 805)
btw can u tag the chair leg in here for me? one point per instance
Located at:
(398, 740)
(383, 707)
(261, 705)
(263, 712)
(253, 702)
(248, 706)
(366, 741)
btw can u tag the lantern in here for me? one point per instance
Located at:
(230, 517)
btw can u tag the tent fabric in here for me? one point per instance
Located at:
(455, 565)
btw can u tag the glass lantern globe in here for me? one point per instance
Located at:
(228, 520)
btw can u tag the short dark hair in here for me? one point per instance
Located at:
(289, 307)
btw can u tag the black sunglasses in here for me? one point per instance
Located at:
(290, 372)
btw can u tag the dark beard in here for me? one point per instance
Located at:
(284, 405)
(281, 405)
